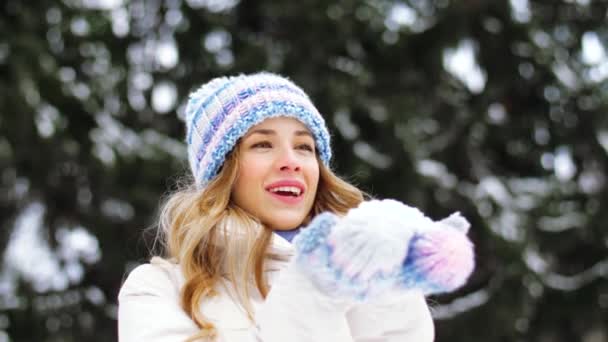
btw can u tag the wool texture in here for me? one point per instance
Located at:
(437, 257)
(221, 111)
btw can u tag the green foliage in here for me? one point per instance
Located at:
(91, 137)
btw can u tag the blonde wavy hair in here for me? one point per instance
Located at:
(197, 231)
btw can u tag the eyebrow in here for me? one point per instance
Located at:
(266, 131)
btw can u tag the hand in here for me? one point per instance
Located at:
(384, 245)
(362, 253)
(372, 239)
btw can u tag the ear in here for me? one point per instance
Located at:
(457, 221)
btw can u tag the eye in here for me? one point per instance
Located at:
(262, 144)
(306, 147)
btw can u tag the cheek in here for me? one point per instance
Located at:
(243, 192)
(313, 175)
(250, 175)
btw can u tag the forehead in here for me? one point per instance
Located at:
(281, 125)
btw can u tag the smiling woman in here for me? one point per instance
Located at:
(280, 173)
(259, 152)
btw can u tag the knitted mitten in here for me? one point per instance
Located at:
(383, 245)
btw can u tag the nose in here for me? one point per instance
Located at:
(288, 160)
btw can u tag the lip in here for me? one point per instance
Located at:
(288, 182)
(287, 199)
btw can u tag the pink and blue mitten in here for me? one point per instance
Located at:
(383, 245)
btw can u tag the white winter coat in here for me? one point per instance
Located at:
(294, 310)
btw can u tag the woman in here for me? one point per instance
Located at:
(259, 152)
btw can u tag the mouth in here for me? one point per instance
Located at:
(287, 191)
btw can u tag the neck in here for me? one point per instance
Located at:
(288, 234)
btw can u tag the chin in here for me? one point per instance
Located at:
(285, 223)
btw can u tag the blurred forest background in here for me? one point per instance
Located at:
(497, 109)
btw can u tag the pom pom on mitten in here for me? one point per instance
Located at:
(440, 259)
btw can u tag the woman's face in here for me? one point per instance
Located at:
(278, 173)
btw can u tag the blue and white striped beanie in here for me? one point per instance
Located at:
(225, 108)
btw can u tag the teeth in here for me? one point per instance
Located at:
(291, 189)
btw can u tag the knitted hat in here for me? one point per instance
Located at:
(225, 108)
